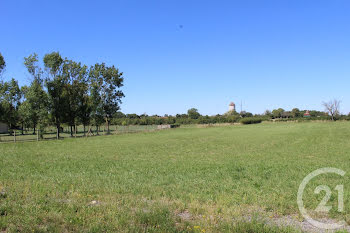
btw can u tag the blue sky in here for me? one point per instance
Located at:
(181, 54)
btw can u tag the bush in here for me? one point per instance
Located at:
(175, 125)
(250, 120)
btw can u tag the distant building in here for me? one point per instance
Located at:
(3, 128)
(232, 107)
(307, 114)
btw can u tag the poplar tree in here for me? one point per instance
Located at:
(106, 83)
(34, 110)
(55, 82)
(76, 82)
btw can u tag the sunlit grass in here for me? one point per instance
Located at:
(187, 179)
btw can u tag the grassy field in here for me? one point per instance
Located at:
(50, 132)
(187, 179)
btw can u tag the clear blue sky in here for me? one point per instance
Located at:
(178, 54)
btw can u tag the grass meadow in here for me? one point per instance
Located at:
(50, 132)
(214, 179)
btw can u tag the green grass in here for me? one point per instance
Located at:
(50, 132)
(186, 179)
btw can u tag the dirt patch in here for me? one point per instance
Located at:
(95, 203)
(305, 226)
(185, 215)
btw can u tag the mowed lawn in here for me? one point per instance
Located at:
(185, 179)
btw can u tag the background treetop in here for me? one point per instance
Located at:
(2, 64)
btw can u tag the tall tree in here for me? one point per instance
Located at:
(34, 109)
(85, 109)
(106, 83)
(55, 83)
(76, 87)
(84, 100)
(96, 104)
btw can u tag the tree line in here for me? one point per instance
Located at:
(63, 91)
(194, 117)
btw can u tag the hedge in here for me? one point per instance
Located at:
(250, 120)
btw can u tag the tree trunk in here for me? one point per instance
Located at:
(84, 131)
(71, 130)
(11, 131)
(34, 129)
(58, 132)
(97, 130)
(90, 133)
(108, 127)
(41, 133)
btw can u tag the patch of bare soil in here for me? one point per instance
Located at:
(304, 225)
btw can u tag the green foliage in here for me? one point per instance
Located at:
(2, 64)
(193, 113)
(295, 112)
(250, 120)
(119, 115)
(175, 125)
(34, 110)
(277, 113)
(181, 119)
(55, 84)
(78, 94)
(106, 83)
(245, 114)
(10, 96)
(53, 62)
(96, 105)
(31, 63)
(231, 113)
(267, 113)
(76, 91)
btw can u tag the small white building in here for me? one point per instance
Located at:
(3, 128)
(232, 107)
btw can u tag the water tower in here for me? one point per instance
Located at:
(232, 107)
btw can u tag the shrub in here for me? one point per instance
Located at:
(232, 119)
(175, 125)
(250, 120)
